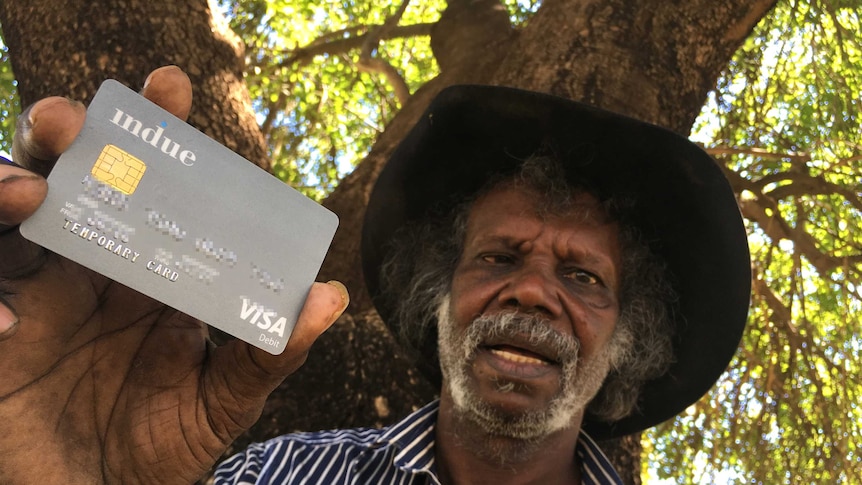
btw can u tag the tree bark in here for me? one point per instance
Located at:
(69, 48)
(652, 59)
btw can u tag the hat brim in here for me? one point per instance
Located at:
(684, 206)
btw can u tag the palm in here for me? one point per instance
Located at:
(121, 415)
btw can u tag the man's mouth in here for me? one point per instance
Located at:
(518, 355)
(522, 350)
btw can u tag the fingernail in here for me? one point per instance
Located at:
(52, 125)
(345, 296)
(8, 319)
(156, 72)
(51, 105)
(16, 176)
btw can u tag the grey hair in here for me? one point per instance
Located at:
(418, 273)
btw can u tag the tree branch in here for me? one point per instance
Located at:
(780, 312)
(740, 29)
(304, 55)
(336, 35)
(758, 152)
(807, 185)
(368, 63)
(272, 110)
(802, 183)
(777, 228)
(765, 212)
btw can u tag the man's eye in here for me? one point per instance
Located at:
(496, 258)
(583, 277)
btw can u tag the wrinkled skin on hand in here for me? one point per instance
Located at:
(98, 383)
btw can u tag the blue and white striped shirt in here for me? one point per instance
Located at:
(400, 454)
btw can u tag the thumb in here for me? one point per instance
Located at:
(44, 130)
(240, 376)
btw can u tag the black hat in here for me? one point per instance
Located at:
(683, 205)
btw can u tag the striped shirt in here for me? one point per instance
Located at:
(400, 454)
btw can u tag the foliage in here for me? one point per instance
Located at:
(784, 121)
(320, 106)
(9, 103)
(319, 113)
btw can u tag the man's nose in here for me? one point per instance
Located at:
(532, 288)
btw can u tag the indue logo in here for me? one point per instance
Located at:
(153, 136)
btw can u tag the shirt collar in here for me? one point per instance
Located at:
(414, 437)
(596, 469)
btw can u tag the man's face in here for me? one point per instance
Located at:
(525, 332)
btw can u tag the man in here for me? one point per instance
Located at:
(575, 271)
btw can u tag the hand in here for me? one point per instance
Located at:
(98, 383)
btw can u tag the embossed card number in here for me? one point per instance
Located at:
(154, 204)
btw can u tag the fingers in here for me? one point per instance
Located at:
(8, 321)
(21, 193)
(170, 88)
(241, 376)
(44, 130)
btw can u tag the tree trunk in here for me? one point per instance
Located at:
(69, 48)
(652, 59)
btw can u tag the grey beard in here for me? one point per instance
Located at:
(579, 380)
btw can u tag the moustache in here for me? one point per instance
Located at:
(522, 330)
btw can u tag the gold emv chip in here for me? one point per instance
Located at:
(119, 169)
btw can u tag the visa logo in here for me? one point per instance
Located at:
(153, 136)
(263, 317)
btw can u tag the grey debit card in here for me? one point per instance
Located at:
(154, 204)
